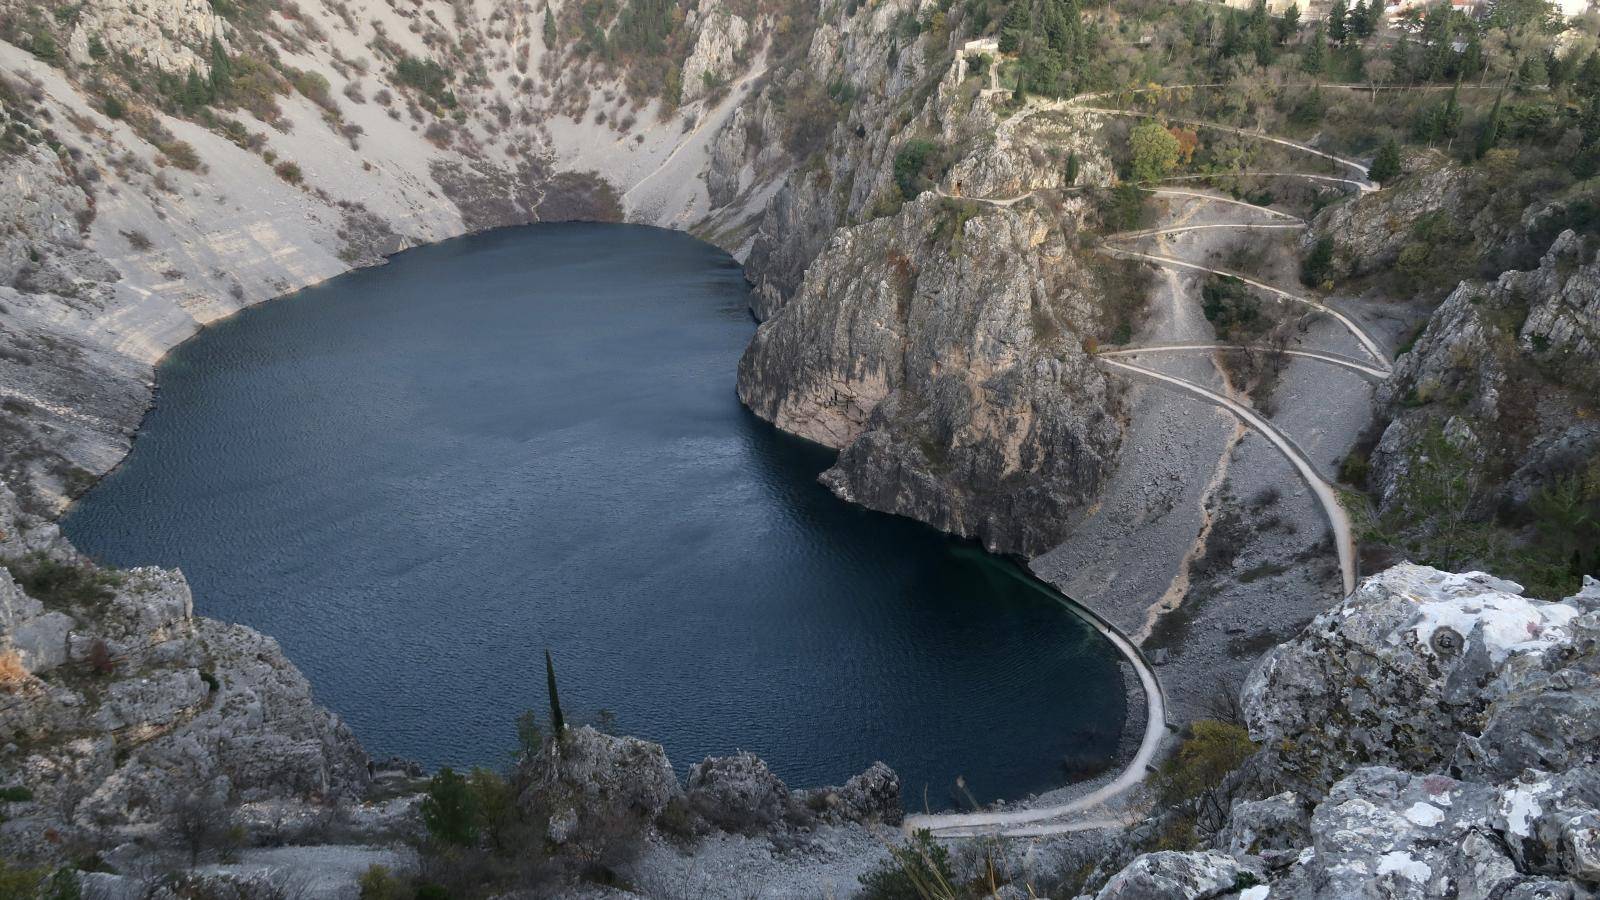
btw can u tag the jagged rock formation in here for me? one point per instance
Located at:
(940, 347)
(1433, 735)
(719, 43)
(1507, 372)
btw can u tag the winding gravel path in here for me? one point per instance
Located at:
(1159, 232)
(1361, 184)
(1338, 519)
(1368, 342)
(1322, 355)
(1012, 823)
(1366, 182)
(1093, 810)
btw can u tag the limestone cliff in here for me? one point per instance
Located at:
(941, 350)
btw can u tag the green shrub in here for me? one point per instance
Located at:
(450, 810)
(1202, 761)
(428, 77)
(180, 154)
(1231, 307)
(44, 47)
(1123, 208)
(917, 165)
(289, 172)
(113, 108)
(1318, 264)
(916, 871)
(315, 87)
(57, 583)
(378, 883)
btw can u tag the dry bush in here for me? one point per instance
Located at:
(12, 673)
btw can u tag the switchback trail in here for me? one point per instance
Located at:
(1157, 232)
(1370, 344)
(1321, 355)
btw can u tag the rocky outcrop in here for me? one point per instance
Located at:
(125, 704)
(1439, 728)
(173, 36)
(953, 381)
(1507, 373)
(590, 787)
(1370, 231)
(589, 784)
(719, 42)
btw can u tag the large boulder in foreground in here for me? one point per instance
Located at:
(1423, 670)
(1445, 733)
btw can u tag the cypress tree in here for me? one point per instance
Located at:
(558, 724)
(1387, 164)
(1490, 131)
(1311, 59)
(221, 71)
(1072, 169)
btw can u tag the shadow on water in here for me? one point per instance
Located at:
(418, 477)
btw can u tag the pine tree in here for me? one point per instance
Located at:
(1231, 43)
(1386, 165)
(449, 811)
(1374, 16)
(196, 92)
(1357, 20)
(1288, 25)
(1472, 57)
(558, 724)
(1016, 26)
(1337, 28)
(1400, 58)
(1587, 81)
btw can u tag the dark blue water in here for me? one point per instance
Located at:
(418, 477)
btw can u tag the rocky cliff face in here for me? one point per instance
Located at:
(1506, 372)
(940, 350)
(121, 707)
(1431, 736)
(938, 343)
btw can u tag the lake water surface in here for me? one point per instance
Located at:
(419, 477)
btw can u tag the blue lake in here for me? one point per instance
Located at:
(419, 477)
